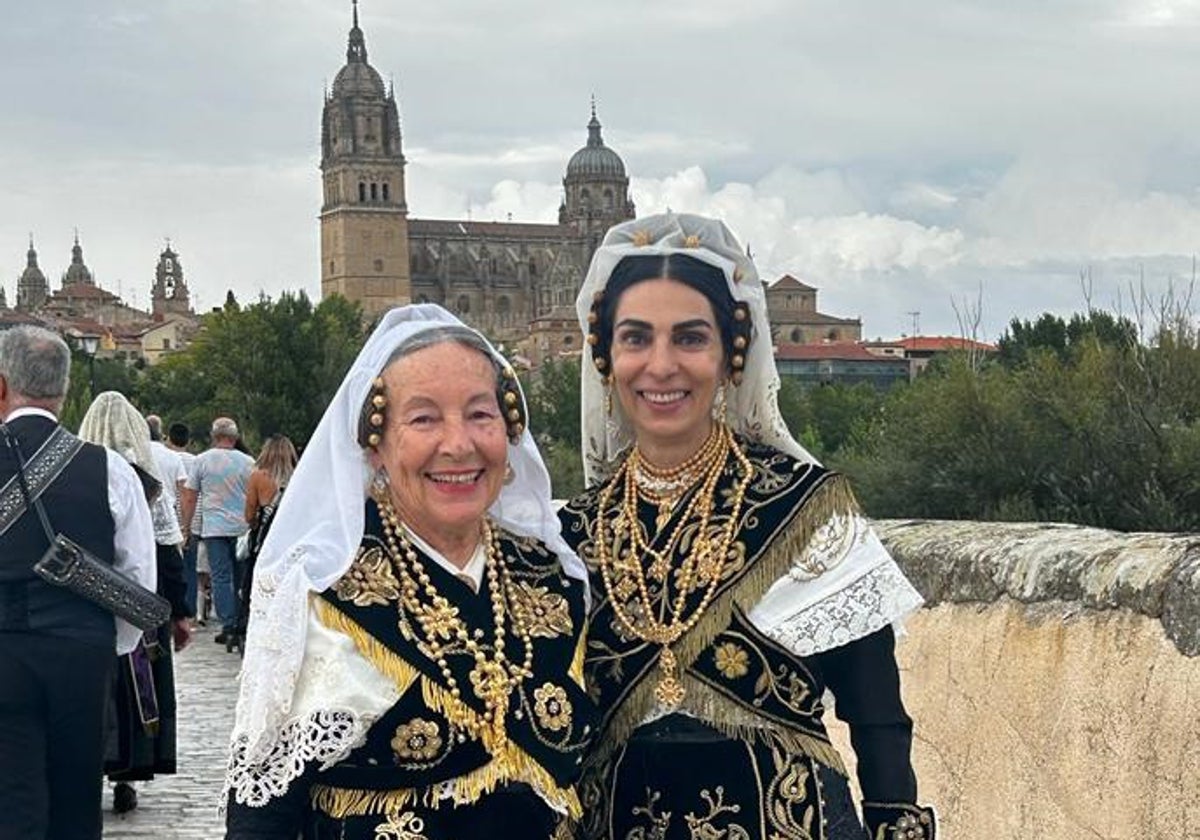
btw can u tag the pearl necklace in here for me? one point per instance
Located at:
(704, 565)
(443, 632)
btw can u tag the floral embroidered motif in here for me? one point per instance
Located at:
(552, 707)
(401, 826)
(731, 660)
(417, 740)
(702, 828)
(546, 613)
(369, 580)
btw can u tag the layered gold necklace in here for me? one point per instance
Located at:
(623, 552)
(443, 632)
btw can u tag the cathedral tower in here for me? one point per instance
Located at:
(169, 295)
(364, 218)
(32, 288)
(77, 271)
(595, 189)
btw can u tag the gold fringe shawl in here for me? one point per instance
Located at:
(512, 764)
(737, 721)
(834, 496)
(509, 762)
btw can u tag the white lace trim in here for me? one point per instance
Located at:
(324, 737)
(880, 597)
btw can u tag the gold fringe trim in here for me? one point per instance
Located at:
(736, 721)
(576, 670)
(512, 765)
(340, 803)
(509, 762)
(834, 496)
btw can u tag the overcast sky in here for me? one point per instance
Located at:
(902, 157)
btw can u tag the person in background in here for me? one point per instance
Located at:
(178, 436)
(270, 476)
(736, 578)
(217, 485)
(142, 728)
(56, 647)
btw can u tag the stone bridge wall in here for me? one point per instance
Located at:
(1054, 678)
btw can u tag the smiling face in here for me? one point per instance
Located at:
(667, 361)
(444, 444)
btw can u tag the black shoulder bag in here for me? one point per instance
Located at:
(73, 567)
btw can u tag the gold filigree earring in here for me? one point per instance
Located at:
(720, 405)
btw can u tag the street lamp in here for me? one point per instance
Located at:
(90, 344)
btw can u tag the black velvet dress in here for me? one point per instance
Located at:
(745, 753)
(427, 771)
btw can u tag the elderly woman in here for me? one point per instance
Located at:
(736, 580)
(142, 721)
(413, 663)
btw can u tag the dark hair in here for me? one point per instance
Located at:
(732, 316)
(178, 434)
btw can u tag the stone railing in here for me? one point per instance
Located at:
(1054, 678)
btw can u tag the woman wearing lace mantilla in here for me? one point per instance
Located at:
(735, 579)
(413, 665)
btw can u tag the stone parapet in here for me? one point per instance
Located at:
(1053, 679)
(1156, 575)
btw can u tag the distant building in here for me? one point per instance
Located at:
(841, 362)
(498, 276)
(795, 319)
(81, 307)
(920, 349)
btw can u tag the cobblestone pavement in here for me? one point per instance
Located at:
(184, 806)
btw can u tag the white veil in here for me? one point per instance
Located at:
(753, 405)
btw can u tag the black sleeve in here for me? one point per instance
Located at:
(281, 818)
(171, 584)
(865, 683)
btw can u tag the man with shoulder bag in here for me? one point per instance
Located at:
(59, 635)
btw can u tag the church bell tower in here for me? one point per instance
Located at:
(364, 218)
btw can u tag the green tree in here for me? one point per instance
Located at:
(272, 365)
(554, 419)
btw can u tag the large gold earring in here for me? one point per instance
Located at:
(720, 403)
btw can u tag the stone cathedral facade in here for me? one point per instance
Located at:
(516, 282)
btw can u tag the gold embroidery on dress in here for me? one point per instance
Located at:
(551, 707)
(417, 740)
(659, 823)
(404, 825)
(547, 614)
(731, 660)
(369, 580)
(702, 828)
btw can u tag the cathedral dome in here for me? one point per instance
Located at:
(595, 160)
(358, 78)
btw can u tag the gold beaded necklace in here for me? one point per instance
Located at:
(665, 622)
(443, 632)
(665, 487)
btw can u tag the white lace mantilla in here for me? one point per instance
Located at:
(880, 597)
(844, 587)
(323, 738)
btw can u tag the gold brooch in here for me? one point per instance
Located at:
(692, 241)
(641, 238)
